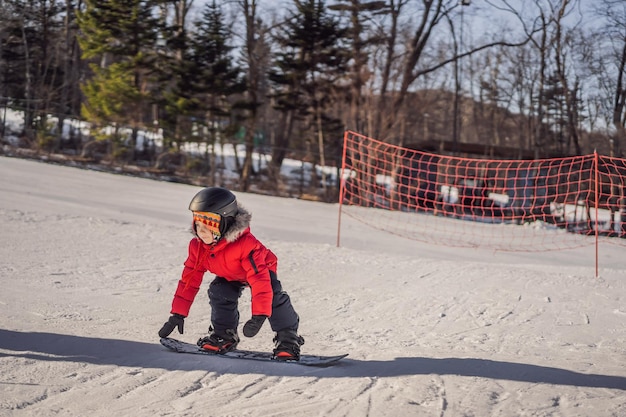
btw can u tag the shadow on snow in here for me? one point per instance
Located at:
(68, 348)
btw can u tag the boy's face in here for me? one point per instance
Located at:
(207, 226)
(205, 234)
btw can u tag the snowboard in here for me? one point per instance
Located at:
(305, 360)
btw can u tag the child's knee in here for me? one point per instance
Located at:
(221, 289)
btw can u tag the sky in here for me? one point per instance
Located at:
(89, 263)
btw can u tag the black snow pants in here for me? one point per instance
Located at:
(224, 298)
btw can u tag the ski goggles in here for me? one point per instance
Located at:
(210, 220)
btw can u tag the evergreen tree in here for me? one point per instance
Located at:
(214, 76)
(308, 71)
(30, 67)
(177, 101)
(203, 80)
(217, 75)
(120, 37)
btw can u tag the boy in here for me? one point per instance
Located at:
(223, 245)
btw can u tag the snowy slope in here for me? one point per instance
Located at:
(89, 262)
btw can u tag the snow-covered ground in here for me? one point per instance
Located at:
(89, 262)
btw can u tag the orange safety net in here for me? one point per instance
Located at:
(510, 205)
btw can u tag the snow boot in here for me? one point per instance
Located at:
(287, 346)
(219, 341)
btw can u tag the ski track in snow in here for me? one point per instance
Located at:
(90, 261)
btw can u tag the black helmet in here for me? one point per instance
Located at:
(215, 200)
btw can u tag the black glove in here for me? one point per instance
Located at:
(176, 320)
(252, 326)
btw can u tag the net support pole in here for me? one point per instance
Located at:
(342, 185)
(596, 191)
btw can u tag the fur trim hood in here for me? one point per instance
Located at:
(240, 225)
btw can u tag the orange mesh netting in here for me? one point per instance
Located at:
(510, 205)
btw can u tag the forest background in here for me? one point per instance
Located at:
(164, 84)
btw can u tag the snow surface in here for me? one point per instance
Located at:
(89, 263)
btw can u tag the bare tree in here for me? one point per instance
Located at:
(611, 68)
(413, 66)
(254, 75)
(362, 37)
(548, 76)
(561, 55)
(390, 56)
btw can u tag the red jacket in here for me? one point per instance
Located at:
(238, 256)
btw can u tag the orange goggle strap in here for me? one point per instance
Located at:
(210, 220)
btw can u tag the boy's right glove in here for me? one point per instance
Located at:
(176, 320)
(252, 326)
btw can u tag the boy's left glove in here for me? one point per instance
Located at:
(252, 326)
